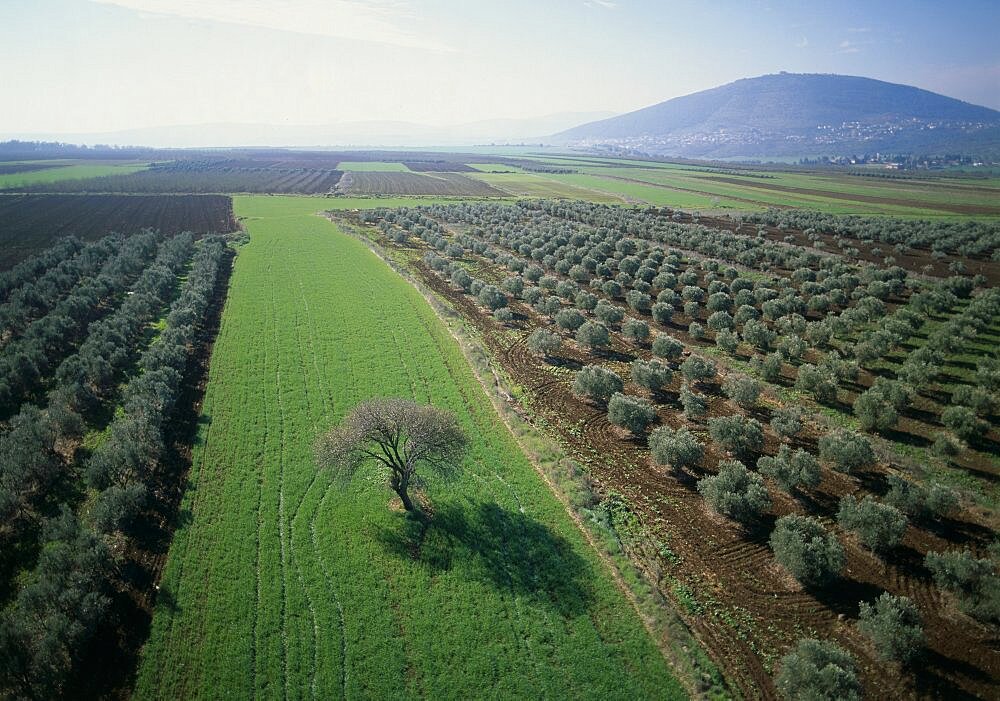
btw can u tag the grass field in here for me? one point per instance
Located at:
(532, 185)
(69, 172)
(282, 584)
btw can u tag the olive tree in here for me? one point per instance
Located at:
(964, 422)
(818, 670)
(879, 526)
(769, 366)
(918, 501)
(727, 341)
(697, 369)
(632, 413)
(635, 330)
(757, 334)
(400, 436)
(737, 434)
(735, 492)
(695, 405)
(894, 625)
(666, 346)
(543, 342)
(593, 335)
(491, 297)
(808, 551)
(663, 312)
(743, 390)
(787, 421)
(874, 411)
(973, 581)
(791, 469)
(678, 448)
(569, 319)
(608, 313)
(597, 383)
(652, 375)
(819, 381)
(846, 450)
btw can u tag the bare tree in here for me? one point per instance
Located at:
(399, 434)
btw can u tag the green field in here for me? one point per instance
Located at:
(282, 584)
(69, 172)
(373, 167)
(498, 167)
(533, 185)
(715, 186)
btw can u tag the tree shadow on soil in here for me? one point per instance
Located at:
(905, 438)
(817, 502)
(504, 549)
(933, 676)
(845, 595)
(561, 362)
(960, 532)
(613, 355)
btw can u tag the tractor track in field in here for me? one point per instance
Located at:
(281, 513)
(300, 346)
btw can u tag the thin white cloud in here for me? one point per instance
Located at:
(377, 21)
(859, 30)
(848, 47)
(802, 43)
(608, 4)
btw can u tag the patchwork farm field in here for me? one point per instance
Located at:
(220, 176)
(31, 223)
(282, 583)
(378, 182)
(17, 175)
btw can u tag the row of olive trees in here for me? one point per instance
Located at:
(877, 409)
(34, 267)
(36, 297)
(85, 384)
(126, 464)
(965, 237)
(65, 599)
(27, 362)
(757, 331)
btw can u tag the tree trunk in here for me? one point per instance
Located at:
(400, 485)
(405, 498)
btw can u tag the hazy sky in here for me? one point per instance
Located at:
(98, 65)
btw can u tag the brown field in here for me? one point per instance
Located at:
(30, 223)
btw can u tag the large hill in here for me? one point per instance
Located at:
(791, 114)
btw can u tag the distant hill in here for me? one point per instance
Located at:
(338, 134)
(791, 114)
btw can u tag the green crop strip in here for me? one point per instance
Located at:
(281, 583)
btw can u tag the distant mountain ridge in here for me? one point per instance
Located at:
(798, 114)
(337, 134)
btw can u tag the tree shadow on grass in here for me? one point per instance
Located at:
(504, 549)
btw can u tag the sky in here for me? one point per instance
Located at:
(80, 66)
